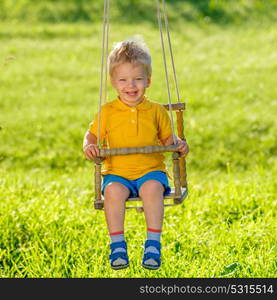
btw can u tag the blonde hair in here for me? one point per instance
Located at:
(130, 51)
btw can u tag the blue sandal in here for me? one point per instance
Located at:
(155, 257)
(119, 260)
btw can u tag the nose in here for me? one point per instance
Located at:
(131, 83)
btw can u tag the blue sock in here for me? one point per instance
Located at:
(153, 234)
(118, 237)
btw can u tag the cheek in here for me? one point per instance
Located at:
(143, 84)
(117, 86)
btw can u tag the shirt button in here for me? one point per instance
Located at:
(133, 121)
(133, 110)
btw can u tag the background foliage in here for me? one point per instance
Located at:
(222, 11)
(49, 85)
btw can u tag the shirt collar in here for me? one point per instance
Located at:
(144, 105)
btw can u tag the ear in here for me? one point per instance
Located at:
(148, 82)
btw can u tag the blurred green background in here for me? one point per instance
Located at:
(221, 11)
(225, 53)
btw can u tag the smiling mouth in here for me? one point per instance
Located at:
(131, 93)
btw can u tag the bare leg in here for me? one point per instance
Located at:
(115, 195)
(151, 193)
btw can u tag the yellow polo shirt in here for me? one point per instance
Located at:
(124, 126)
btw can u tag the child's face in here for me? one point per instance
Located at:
(130, 81)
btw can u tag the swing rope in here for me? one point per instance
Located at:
(171, 52)
(165, 68)
(106, 49)
(104, 63)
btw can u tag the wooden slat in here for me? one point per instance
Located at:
(182, 162)
(137, 150)
(176, 106)
(172, 195)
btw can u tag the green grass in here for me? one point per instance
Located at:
(49, 229)
(49, 92)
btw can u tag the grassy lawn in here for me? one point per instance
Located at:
(49, 88)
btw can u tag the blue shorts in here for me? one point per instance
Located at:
(134, 185)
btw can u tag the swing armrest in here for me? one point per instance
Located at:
(138, 150)
(175, 106)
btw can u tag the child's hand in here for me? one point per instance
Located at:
(91, 151)
(183, 147)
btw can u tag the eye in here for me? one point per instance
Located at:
(139, 78)
(122, 79)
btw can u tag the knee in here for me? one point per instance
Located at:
(151, 188)
(116, 190)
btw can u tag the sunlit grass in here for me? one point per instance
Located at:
(49, 93)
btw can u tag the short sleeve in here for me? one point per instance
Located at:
(93, 126)
(164, 124)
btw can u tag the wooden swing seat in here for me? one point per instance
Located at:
(178, 193)
(169, 200)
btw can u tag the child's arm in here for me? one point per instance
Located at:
(90, 147)
(183, 146)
